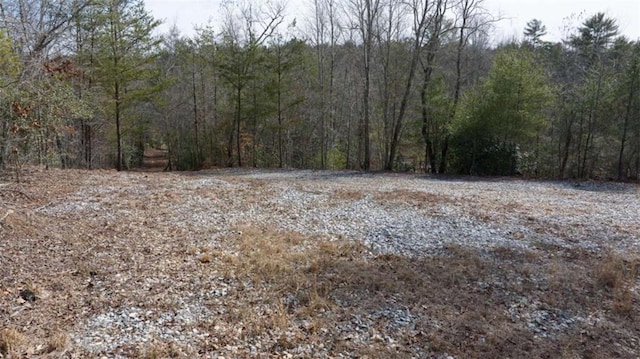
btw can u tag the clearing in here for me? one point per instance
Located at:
(298, 264)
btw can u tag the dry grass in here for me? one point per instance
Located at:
(458, 299)
(58, 341)
(619, 276)
(348, 195)
(11, 341)
(161, 351)
(414, 198)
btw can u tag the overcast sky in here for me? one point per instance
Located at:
(555, 14)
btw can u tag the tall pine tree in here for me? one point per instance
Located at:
(123, 59)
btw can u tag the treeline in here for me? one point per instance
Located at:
(362, 84)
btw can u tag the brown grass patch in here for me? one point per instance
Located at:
(413, 198)
(458, 302)
(348, 195)
(160, 351)
(618, 276)
(11, 341)
(57, 341)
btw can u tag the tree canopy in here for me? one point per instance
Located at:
(395, 85)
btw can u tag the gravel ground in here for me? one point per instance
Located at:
(417, 215)
(149, 218)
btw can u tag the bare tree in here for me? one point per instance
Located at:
(366, 13)
(326, 33)
(389, 32)
(425, 14)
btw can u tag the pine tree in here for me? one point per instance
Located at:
(125, 52)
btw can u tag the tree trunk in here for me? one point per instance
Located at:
(280, 152)
(237, 123)
(458, 85)
(567, 147)
(120, 157)
(420, 23)
(627, 117)
(443, 155)
(195, 103)
(230, 146)
(429, 156)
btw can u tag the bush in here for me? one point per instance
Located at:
(474, 154)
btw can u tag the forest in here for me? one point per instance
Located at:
(371, 85)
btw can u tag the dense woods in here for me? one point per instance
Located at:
(362, 84)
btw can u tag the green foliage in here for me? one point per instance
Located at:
(534, 31)
(501, 116)
(124, 54)
(94, 76)
(126, 48)
(9, 62)
(595, 34)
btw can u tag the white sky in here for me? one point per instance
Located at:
(555, 14)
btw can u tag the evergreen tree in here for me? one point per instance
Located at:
(125, 51)
(500, 118)
(534, 32)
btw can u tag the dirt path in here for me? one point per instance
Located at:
(155, 159)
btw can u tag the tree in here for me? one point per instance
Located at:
(501, 117)
(437, 28)
(594, 36)
(534, 32)
(324, 33)
(124, 55)
(628, 105)
(471, 20)
(366, 13)
(244, 35)
(38, 25)
(593, 40)
(9, 71)
(172, 113)
(283, 59)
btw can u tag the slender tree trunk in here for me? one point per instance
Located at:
(323, 125)
(348, 144)
(590, 128)
(3, 143)
(428, 151)
(119, 165)
(429, 156)
(370, 13)
(230, 145)
(432, 48)
(367, 142)
(567, 148)
(330, 137)
(254, 130)
(88, 146)
(238, 131)
(280, 124)
(332, 64)
(397, 128)
(625, 126)
(195, 102)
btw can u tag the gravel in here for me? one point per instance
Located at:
(407, 215)
(478, 214)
